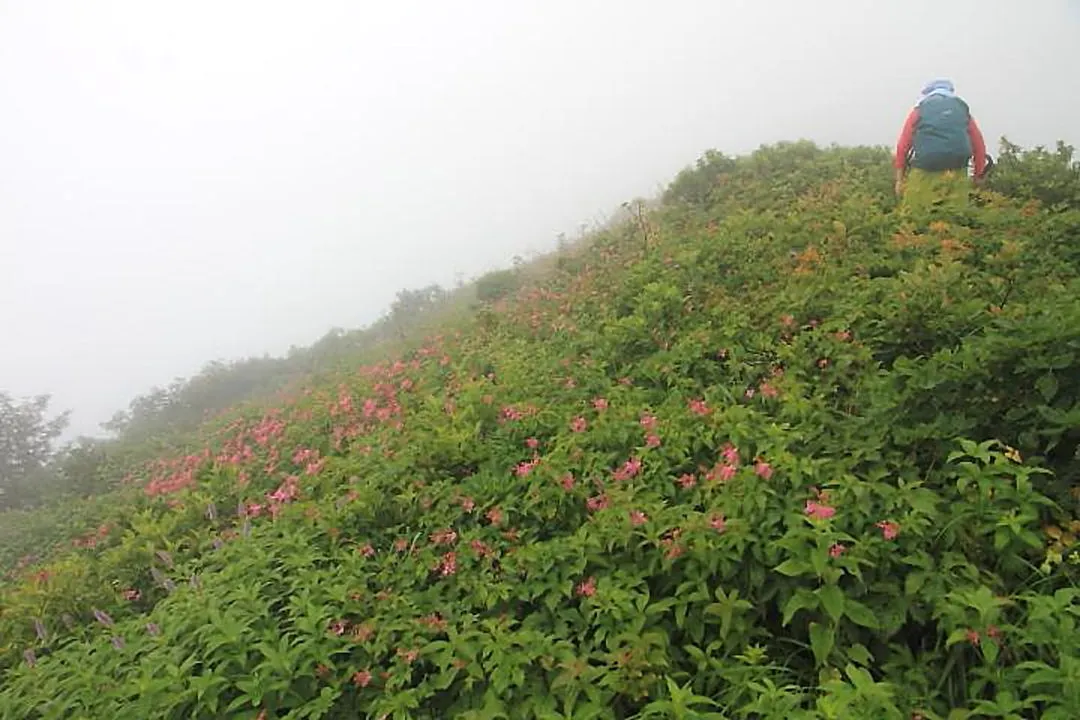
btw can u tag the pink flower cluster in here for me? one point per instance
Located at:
(629, 469)
(725, 470)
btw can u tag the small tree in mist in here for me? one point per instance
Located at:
(412, 305)
(496, 284)
(27, 435)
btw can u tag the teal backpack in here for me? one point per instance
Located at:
(941, 139)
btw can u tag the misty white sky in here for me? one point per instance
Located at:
(185, 181)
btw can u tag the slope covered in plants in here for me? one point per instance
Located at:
(773, 449)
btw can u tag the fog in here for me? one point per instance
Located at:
(185, 181)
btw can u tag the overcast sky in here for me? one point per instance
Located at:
(183, 181)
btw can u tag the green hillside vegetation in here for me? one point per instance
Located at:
(772, 447)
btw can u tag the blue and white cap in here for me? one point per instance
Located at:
(940, 86)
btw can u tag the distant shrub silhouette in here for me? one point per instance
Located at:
(497, 285)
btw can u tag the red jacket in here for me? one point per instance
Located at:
(907, 135)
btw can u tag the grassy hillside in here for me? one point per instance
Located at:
(772, 449)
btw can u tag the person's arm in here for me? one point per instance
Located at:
(903, 145)
(978, 148)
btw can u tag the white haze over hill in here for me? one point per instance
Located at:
(181, 182)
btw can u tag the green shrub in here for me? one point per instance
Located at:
(496, 285)
(797, 458)
(1050, 176)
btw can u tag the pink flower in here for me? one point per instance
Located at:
(721, 473)
(361, 678)
(434, 621)
(448, 564)
(363, 633)
(699, 407)
(889, 529)
(768, 390)
(338, 627)
(131, 595)
(586, 588)
(597, 503)
(629, 469)
(289, 489)
(717, 522)
(652, 441)
(687, 481)
(567, 482)
(818, 511)
(532, 443)
(731, 454)
(763, 470)
(525, 468)
(674, 550)
(467, 504)
(578, 424)
(638, 518)
(836, 550)
(972, 637)
(444, 537)
(600, 403)
(648, 421)
(367, 551)
(495, 516)
(254, 509)
(480, 548)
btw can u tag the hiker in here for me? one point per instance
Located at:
(939, 137)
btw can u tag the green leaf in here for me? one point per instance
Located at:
(821, 642)
(859, 654)
(832, 599)
(860, 614)
(990, 651)
(792, 567)
(1047, 385)
(914, 582)
(803, 599)
(956, 636)
(860, 678)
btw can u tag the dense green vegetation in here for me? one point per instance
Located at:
(774, 448)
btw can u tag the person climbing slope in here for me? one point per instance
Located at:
(939, 138)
